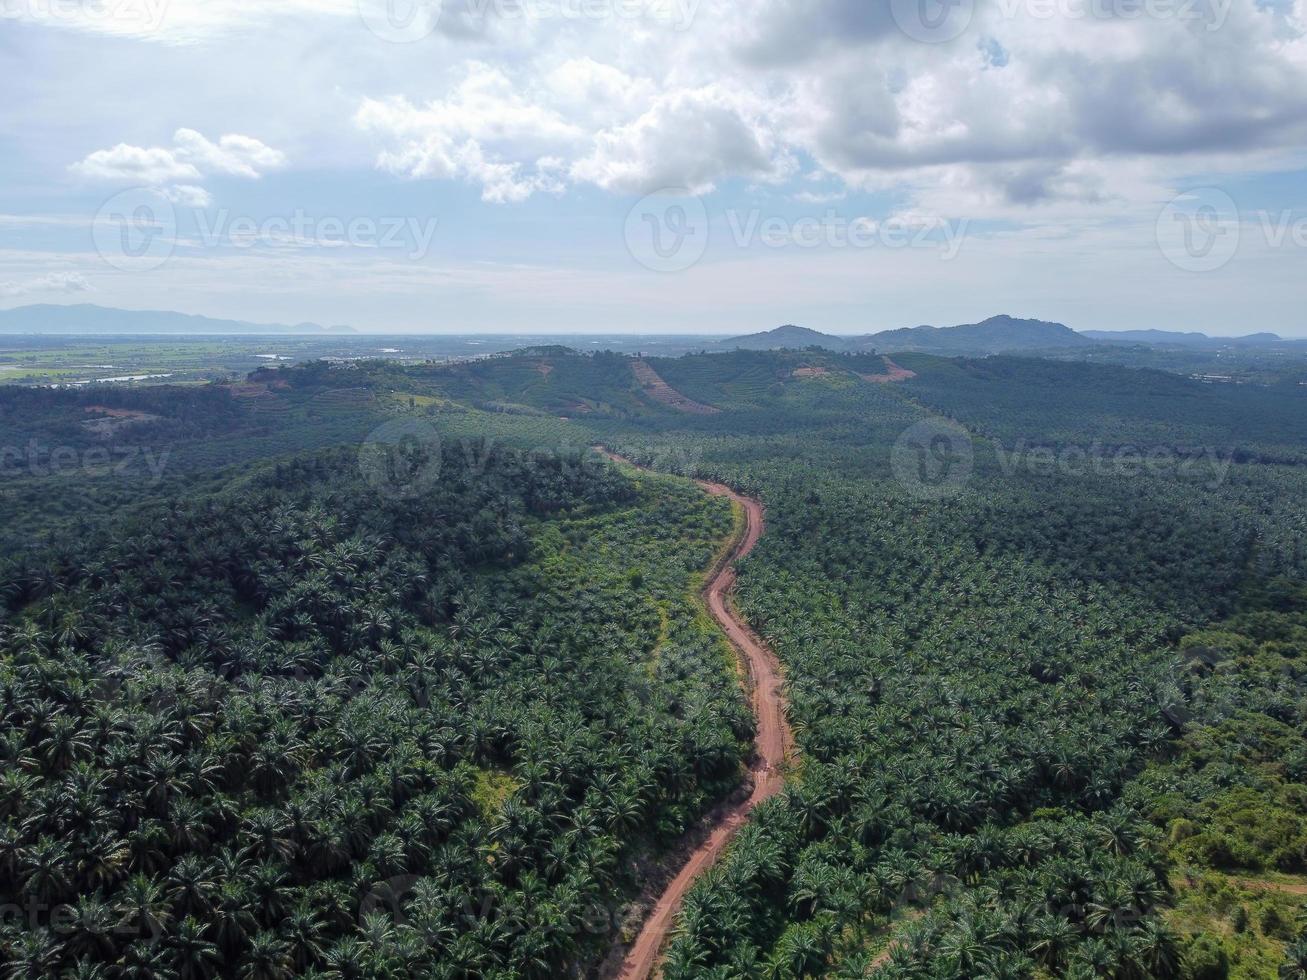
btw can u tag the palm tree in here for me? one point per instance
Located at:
(146, 960)
(143, 906)
(33, 956)
(44, 868)
(192, 886)
(194, 956)
(1295, 962)
(305, 932)
(268, 958)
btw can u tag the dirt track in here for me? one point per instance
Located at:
(663, 393)
(774, 740)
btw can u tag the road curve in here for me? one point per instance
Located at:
(774, 741)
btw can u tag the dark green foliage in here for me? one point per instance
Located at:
(1023, 710)
(301, 725)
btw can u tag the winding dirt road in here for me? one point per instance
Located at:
(774, 741)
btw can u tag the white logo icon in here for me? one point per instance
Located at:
(1199, 230)
(933, 21)
(135, 230)
(668, 230)
(401, 21)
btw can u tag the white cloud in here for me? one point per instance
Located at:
(690, 139)
(235, 155)
(1070, 139)
(54, 282)
(485, 132)
(174, 169)
(171, 21)
(141, 165)
(589, 123)
(188, 195)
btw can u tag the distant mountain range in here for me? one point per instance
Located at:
(997, 335)
(101, 320)
(1165, 338)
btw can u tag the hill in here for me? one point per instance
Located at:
(1167, 338)
(997, 335)
(101, 320)
(793, 338)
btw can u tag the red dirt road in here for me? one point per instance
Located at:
(774, 741)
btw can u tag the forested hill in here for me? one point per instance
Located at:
(386, 673)
(999, 334)
(319, 725)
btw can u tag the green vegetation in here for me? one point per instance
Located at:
(247, 729)
(1050, 719)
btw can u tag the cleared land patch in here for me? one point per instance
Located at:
(663, 393)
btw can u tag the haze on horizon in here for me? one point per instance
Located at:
(659, 166)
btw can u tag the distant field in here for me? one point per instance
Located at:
(40, 360)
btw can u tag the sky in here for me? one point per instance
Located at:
(672, 166)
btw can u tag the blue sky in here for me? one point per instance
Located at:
(659, 165)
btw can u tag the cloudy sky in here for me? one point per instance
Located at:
(659, 165)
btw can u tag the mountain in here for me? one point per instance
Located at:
(100, 320)
(998, 334)
(1166, 338)
(792, 337)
